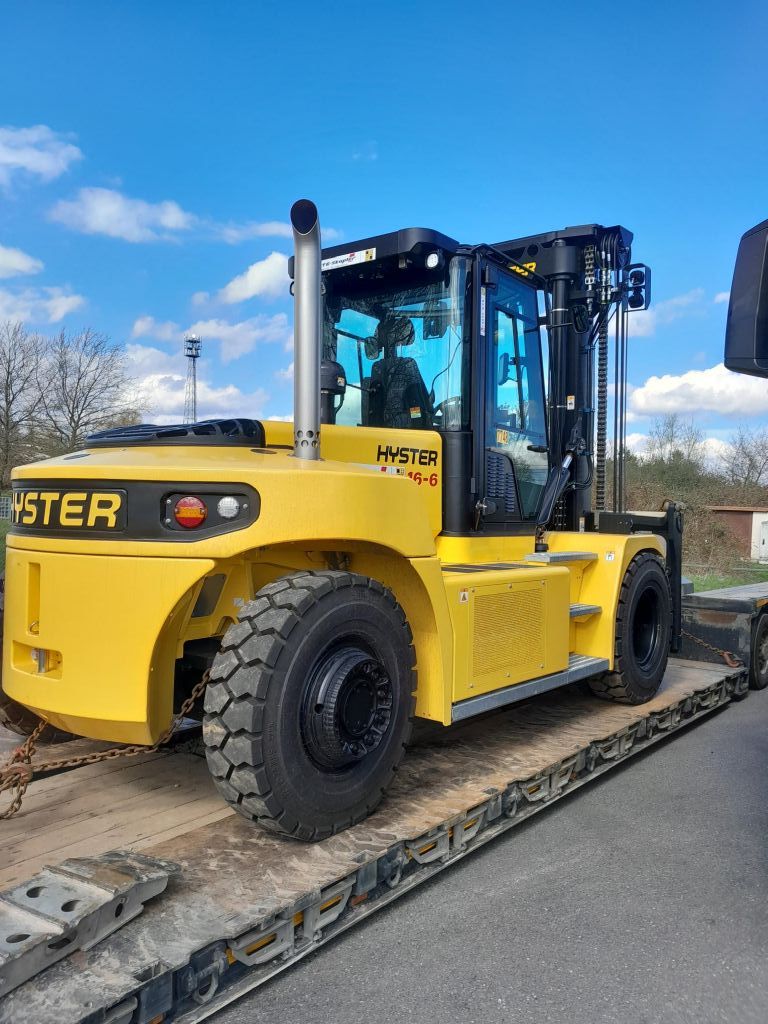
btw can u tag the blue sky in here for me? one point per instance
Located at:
(151, 153)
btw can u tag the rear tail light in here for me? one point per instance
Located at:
(190, 512)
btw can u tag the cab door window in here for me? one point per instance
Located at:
(516, 415)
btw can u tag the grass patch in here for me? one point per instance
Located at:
(714, 581)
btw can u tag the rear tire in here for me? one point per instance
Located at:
(642, 637)
(310, 703)
(758, 669)
(16, 718)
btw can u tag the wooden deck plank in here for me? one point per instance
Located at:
(120, 803)
(44, 809)
(169, 821)
(116, 815)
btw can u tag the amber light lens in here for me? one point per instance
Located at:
(190, 512)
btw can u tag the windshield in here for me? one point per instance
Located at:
(400, 336)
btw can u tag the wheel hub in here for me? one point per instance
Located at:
(347, 708)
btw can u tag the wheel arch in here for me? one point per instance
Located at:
(415, 582)
(601, 586)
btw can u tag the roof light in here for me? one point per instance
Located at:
(433, 259)
(190, 512)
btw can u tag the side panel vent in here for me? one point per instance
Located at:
(508, 634)
(500, 482)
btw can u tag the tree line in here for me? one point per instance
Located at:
(676, 464)
(56, 390)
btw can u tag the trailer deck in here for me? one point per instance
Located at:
(247, 904)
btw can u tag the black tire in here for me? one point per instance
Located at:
(758, 668)
(20, 720)
(310, 703)
(642, 637)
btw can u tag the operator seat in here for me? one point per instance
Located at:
(397, 396)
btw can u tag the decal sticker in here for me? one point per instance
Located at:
(502, 436)
(463, 597)
(610, 556)
(349, 259)
(86, 509)
(400, 455)
(523, 269)
(570, 402)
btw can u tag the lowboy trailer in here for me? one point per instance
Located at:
(244, 905)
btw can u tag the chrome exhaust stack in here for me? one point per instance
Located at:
(307, 339)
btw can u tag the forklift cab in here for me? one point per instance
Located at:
(411, 321)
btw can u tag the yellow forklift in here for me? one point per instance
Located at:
(419, 542)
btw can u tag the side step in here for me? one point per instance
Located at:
(579, 611)
(561, 556)
(579, 667)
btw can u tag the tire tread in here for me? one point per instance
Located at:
(614, 685)
(255, 642)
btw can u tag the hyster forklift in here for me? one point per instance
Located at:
(419, 542)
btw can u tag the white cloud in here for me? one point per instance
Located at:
(714, 448)
(161, 381)
(36, 151)
(265, 277)
(146, 361)
(38, 305)
(148, 327)
(712, 390)
(104, 211)
(237, 339)
(286, 374)
(14, 262)
(722, 297)
(200, 298)
(636, 443)
(234, 233)
(643, 322)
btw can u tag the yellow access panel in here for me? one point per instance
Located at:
(510, 626)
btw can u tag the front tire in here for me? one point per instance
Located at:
(310, 703)
(642, 636)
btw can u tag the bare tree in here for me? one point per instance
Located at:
(745, 462)
(83, 386)
(19, 363)
(672, 439)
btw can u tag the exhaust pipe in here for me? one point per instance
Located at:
(306, 330)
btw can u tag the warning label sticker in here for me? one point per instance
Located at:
(348, 259)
